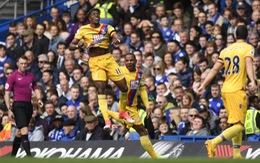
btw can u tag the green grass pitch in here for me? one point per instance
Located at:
(122, 160)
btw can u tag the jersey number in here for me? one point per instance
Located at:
(235, 68)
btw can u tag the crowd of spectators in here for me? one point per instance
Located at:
(176, 43)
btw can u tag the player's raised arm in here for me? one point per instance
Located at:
(217, 66)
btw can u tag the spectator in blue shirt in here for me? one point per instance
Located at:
(75, 98)
(70, 130)
(215, 103)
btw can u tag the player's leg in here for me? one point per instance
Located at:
(236, 109)
(97, 67)
(114, 73)
(237, 142)
(102, 102)
(115, 115)
(144, 140)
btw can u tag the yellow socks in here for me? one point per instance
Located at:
(228, 134)
(237, 141)
(147, 145)
(102, 102)
(122, 101)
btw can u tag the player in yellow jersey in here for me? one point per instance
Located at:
(102, 65)
(135, 83)
(237, 60)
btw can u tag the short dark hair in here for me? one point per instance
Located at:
(10, 34)
(22, 57)
(61, 43)
(90, 11)
(50, 72)
(131, 55)
(48, 102)
(77, 67)
(241, 32)
(42, 24)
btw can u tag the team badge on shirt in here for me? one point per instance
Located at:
(134, 84)
(252, 52)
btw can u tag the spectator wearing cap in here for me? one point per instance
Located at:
(92, 130)
(174, 48)
(70, 130)
(35, 132)
(57, 132)
(209, 116)
(243, 11)
(30, 43)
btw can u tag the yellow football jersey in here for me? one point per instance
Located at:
(134, 81)
(95, 37)
(233, 58)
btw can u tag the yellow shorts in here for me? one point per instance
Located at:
(236, 106)
(134, 114)
(103, 67)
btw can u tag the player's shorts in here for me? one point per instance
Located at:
(22, 113)
(236, 106)
(103, 67)
(132, 111)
